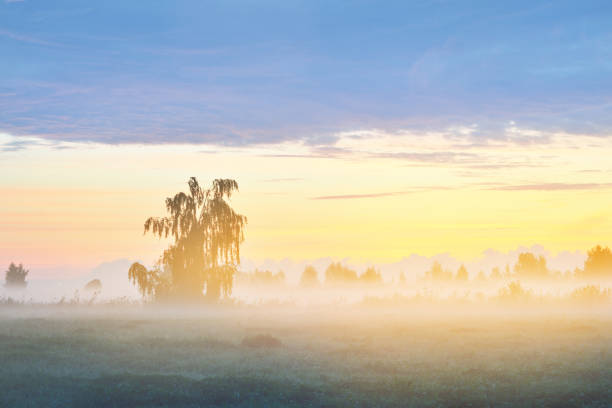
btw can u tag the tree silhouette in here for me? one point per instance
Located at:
(336, 274)
(261, 278)
(371, 276)
(481, 277)
(590, 294)
(309, 277)
(206, 235)
(598, 263)
(462, 274)
(402, 278)
(15, 276)
(437, 273)
(514, 292)
(528, 266)
(93, 285)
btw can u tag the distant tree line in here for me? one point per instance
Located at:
(337, 274)
(260, 278)
(528, 267)
(531, 267)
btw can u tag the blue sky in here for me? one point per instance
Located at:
(243, 73)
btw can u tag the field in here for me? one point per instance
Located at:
(263, 356)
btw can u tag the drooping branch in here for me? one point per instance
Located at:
(206, 234)
(144, 279)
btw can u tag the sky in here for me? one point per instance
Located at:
(361, 129)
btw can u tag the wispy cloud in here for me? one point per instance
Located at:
(553, 187)
(152, 81)
(380, 194)
(427, 157)
(354, 196)
(28, 39)
(19, 144)
(282, 180)
(10, 144)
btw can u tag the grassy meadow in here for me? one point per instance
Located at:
(141, 356)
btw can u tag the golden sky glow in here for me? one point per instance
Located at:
(373, 196)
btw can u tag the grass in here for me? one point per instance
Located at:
(136, 357)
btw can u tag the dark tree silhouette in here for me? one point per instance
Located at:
(514, 292)
(591, 294)
(496, 273)
(371, 276)
(309, 277)
(528, 266)
(336, 274)
(462, 274)
(402, 278)
(598, 263)
(437, 273)
(261, 278)
(206, 235)
(93, 285)
(15, 277)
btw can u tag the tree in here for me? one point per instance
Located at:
(155, 283)
(480, 277)
(337, 274)
(402, 278)
(437, 273)
(371, 276)
(528, 266)
(15, 276)
(462, 274)
(206, 234)
(591, 294)
(310, 278)
(514, 292)
(496, 273)
(598, 263)
(261, 278)
(93, 285)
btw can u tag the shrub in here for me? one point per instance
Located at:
(590, 294)
(261, 341)
(514, 292)
(93, 285)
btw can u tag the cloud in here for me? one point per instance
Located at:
(353, 196)
(381, 194)
(428, 157)
(11, 144)
(282, 180)
(152, 81)
(19, 144)
(28, 39)
(553, 187)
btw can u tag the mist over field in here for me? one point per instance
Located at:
(278, 356)
(115, 285)
(523, 335)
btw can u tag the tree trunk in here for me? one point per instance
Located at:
(213, 290)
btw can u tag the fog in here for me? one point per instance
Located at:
(325, 333)
(392, 288)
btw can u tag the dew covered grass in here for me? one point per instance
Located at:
(138, 357)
